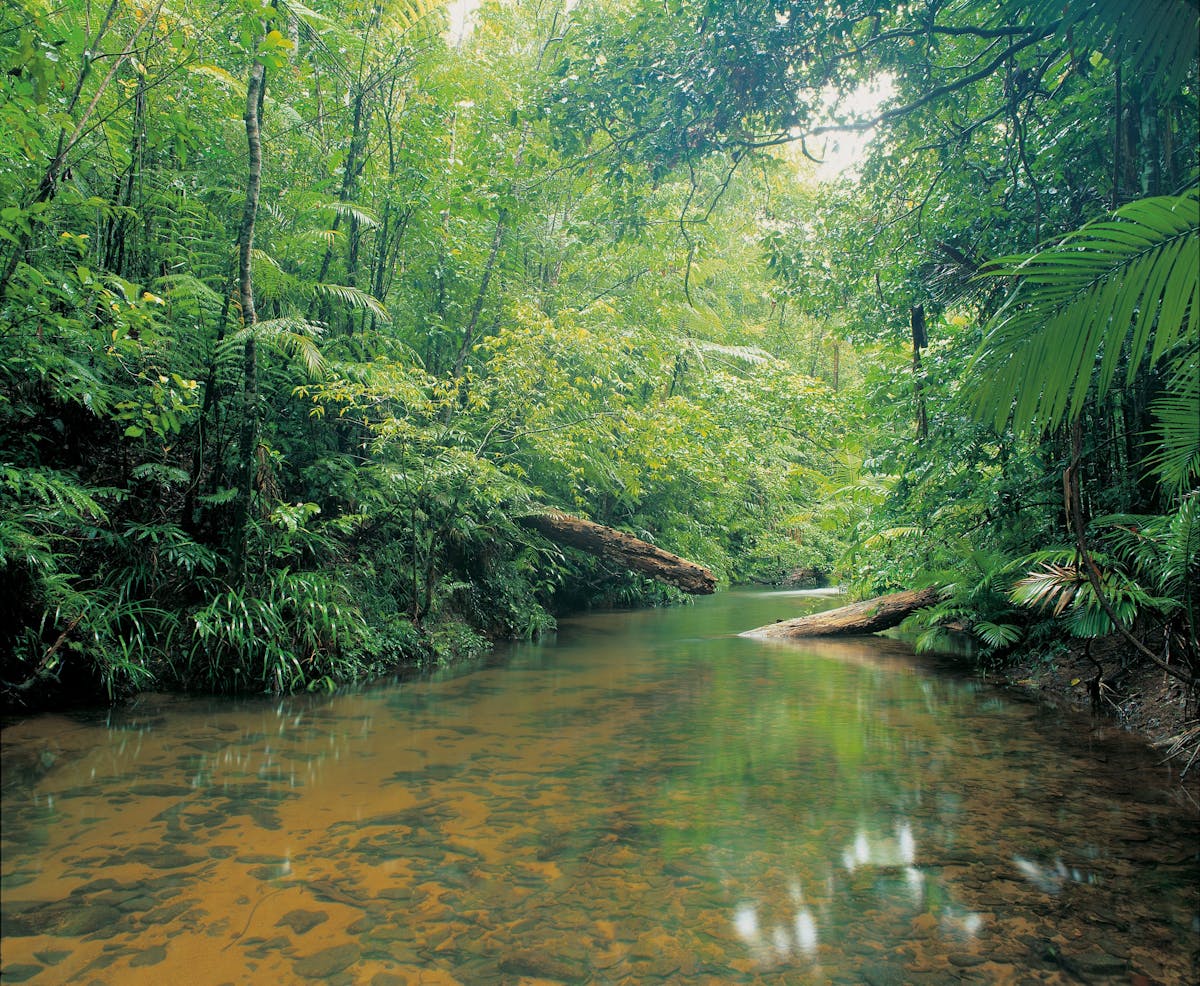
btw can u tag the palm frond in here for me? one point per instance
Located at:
(1133, 279)
(996, 635)
(1154, 39)
(1176, 429)
(1051, 585)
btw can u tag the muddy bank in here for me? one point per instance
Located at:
(1128, 694)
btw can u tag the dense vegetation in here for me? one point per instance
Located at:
(303, 307)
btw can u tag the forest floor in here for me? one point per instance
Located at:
(1133, 695)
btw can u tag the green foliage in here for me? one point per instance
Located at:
(1156, 38)
(1125, 290)
(296, 630)
(555, 267)
(1148, 570)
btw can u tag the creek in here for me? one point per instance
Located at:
(643, 798)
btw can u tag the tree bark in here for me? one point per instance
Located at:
(869, 616)
(622, 549)
(248, 439)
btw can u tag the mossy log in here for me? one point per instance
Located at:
(622, 549)
(869, 616)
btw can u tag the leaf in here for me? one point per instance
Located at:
(360, 214)
(355, 298)
(1156, 39)
(290, 334)
(1132, 279)
(1052, 584)
(1176, 460)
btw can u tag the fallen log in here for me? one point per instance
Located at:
(622, 549)
(869, 616)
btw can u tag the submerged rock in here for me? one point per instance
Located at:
(302, 921)
(540, 965)
(328, 962)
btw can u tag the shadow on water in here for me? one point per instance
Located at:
(645, 798)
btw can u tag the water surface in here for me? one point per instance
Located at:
(648, 798)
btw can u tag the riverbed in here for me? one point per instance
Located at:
(645, 797)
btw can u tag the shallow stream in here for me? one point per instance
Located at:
(646, 798)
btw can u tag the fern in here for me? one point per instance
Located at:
(354, 298)
(291, 334)
(69, 501)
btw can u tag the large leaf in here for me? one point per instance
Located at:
(1156, 40)
(1176, 430)
(1129, 280)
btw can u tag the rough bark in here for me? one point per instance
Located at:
(248, 439)
(869, 616)
(622, 549)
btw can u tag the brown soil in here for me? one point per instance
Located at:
(1128, 694)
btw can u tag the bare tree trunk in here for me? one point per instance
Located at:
(919, 340)
(248, 443)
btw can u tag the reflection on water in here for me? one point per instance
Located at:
(648, 799)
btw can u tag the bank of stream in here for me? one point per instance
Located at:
(645, 798)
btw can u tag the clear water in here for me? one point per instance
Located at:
(647, 798)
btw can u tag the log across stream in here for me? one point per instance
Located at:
(622, 549)
(868, 616)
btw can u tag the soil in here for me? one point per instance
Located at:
(1128, 694)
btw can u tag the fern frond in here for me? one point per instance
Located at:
(186, 287)
(891, 534)
(352, 210)
(751, 355)
(56, 490)
(355, 298)
(290, 334)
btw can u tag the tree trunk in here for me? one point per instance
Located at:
(919, 341)
(622, 549)
(248, 439)
(869, 616)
